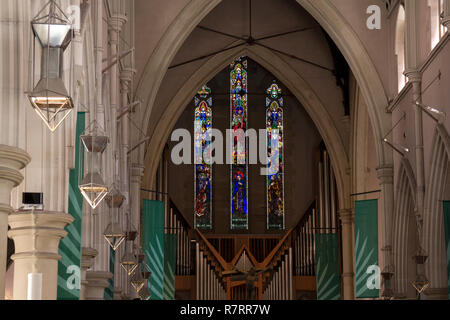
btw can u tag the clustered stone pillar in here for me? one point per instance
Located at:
(36, 238)
(87, 261)
(115, 24)
(386, 177)
(348, 274)
(12, 160)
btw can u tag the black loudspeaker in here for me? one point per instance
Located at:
(33, 200)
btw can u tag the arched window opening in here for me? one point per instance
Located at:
(275, 178)
(400, 47)
(239, 168)
(437, 29)
(203, 167)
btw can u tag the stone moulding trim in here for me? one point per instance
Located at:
(6, 208)
(42, 218)
(14, 155)
(11, 174)
(37, 255)
(38, 231)
(98, 278)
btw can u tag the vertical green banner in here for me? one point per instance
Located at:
(109, 291)
(153, 244)
(170, 258)
(69, 267)
(447, 240)
(366, 249)
(327, 267)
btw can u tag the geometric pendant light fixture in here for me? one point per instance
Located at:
(138, 278)
(113, 233)
(129, 260)
(49, 98)
(92, 186)
(145, 293)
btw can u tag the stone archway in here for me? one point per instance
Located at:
(405, 230)
(324, 13)
(361, 65)
(433, 232)
(285, 73)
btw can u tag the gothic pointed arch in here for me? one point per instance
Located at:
(405, 236)
(438, 190)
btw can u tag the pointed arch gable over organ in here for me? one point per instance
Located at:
(325, 14)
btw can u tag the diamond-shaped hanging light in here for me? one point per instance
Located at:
(114, 234)
(145, 293)
(49, 98)
(129, 262)
(421, 283)
(92, 186)
(137, 279)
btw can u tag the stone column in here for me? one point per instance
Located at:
(36, 238)
(87, 261)
(446, 18)
(348, 275)
(137, 172)
(11, 161)
(97, 282)
(115, 24)
(386, 177)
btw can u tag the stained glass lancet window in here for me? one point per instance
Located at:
(239, 169)
(275, 178)
(202, 156)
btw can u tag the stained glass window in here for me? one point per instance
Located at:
(202, 159)
(275, 148)
(239, 169)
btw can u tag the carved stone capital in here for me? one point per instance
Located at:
(346, 216)
(386, 174)
(413, 75)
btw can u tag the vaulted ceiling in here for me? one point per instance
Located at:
(301, 43)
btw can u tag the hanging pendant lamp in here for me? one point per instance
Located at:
(93, 143)
(137, 279)
(145, 293)
(114, 234)
(49, 98)
(129, 261)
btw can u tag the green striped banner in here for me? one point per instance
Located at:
(366, 249)
(153, 244)
(170, 258)
(109, 291)
(447, 240)
(327, 267)
(69, 267)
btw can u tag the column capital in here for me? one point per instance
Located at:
(386, 174)
(36, 240)
(137, 171)
(13, 157)
(413, 75)
(116, 22)
(346, 216)
(97, 282)
(87, 257)
(446, 18)
(127, 74)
